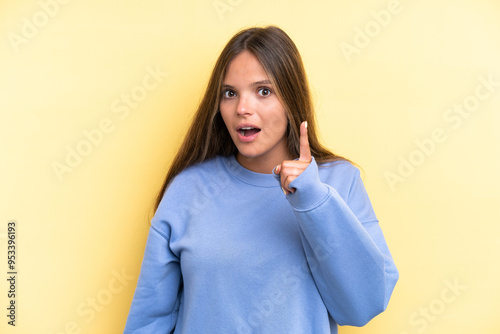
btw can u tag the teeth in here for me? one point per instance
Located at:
(243, 130)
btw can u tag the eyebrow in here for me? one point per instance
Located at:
(256, 83)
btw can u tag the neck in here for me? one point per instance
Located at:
(261, 164)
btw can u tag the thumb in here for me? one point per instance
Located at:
(277, 169)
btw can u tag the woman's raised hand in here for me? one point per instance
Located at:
(289, 170)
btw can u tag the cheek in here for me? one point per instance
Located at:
(279, 125)
(224, 114)
(281, 122)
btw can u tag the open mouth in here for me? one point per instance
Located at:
(248, 131)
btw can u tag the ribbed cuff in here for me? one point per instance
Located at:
(310, 191)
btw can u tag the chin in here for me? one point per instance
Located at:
(249, 153)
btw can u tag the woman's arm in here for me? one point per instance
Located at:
(345, 248)
(156, 299)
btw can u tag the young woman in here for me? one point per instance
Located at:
(258, 228)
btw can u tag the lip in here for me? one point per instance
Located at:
(247, 139)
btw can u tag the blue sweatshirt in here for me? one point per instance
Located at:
(228, 252)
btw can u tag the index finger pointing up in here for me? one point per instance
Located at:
(305, 151)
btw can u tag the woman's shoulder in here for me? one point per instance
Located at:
(205, 168)
(341, 166)
(191, 182)
(196, 172)
(194, 177)
(341, 174)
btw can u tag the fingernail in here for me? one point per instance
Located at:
(306, 124)
(284, 192)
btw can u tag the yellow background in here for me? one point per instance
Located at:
(80, 230)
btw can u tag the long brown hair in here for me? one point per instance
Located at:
(208, 135)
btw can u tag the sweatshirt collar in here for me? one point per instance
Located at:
(247, 176)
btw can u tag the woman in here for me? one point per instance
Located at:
(258, 228)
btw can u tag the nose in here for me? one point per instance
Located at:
(244, 107)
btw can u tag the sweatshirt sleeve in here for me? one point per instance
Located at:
(156, 300)
(344, 245)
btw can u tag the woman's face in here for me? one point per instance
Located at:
(253, 114)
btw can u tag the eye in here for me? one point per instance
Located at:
(228, 93)
(264, 91)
